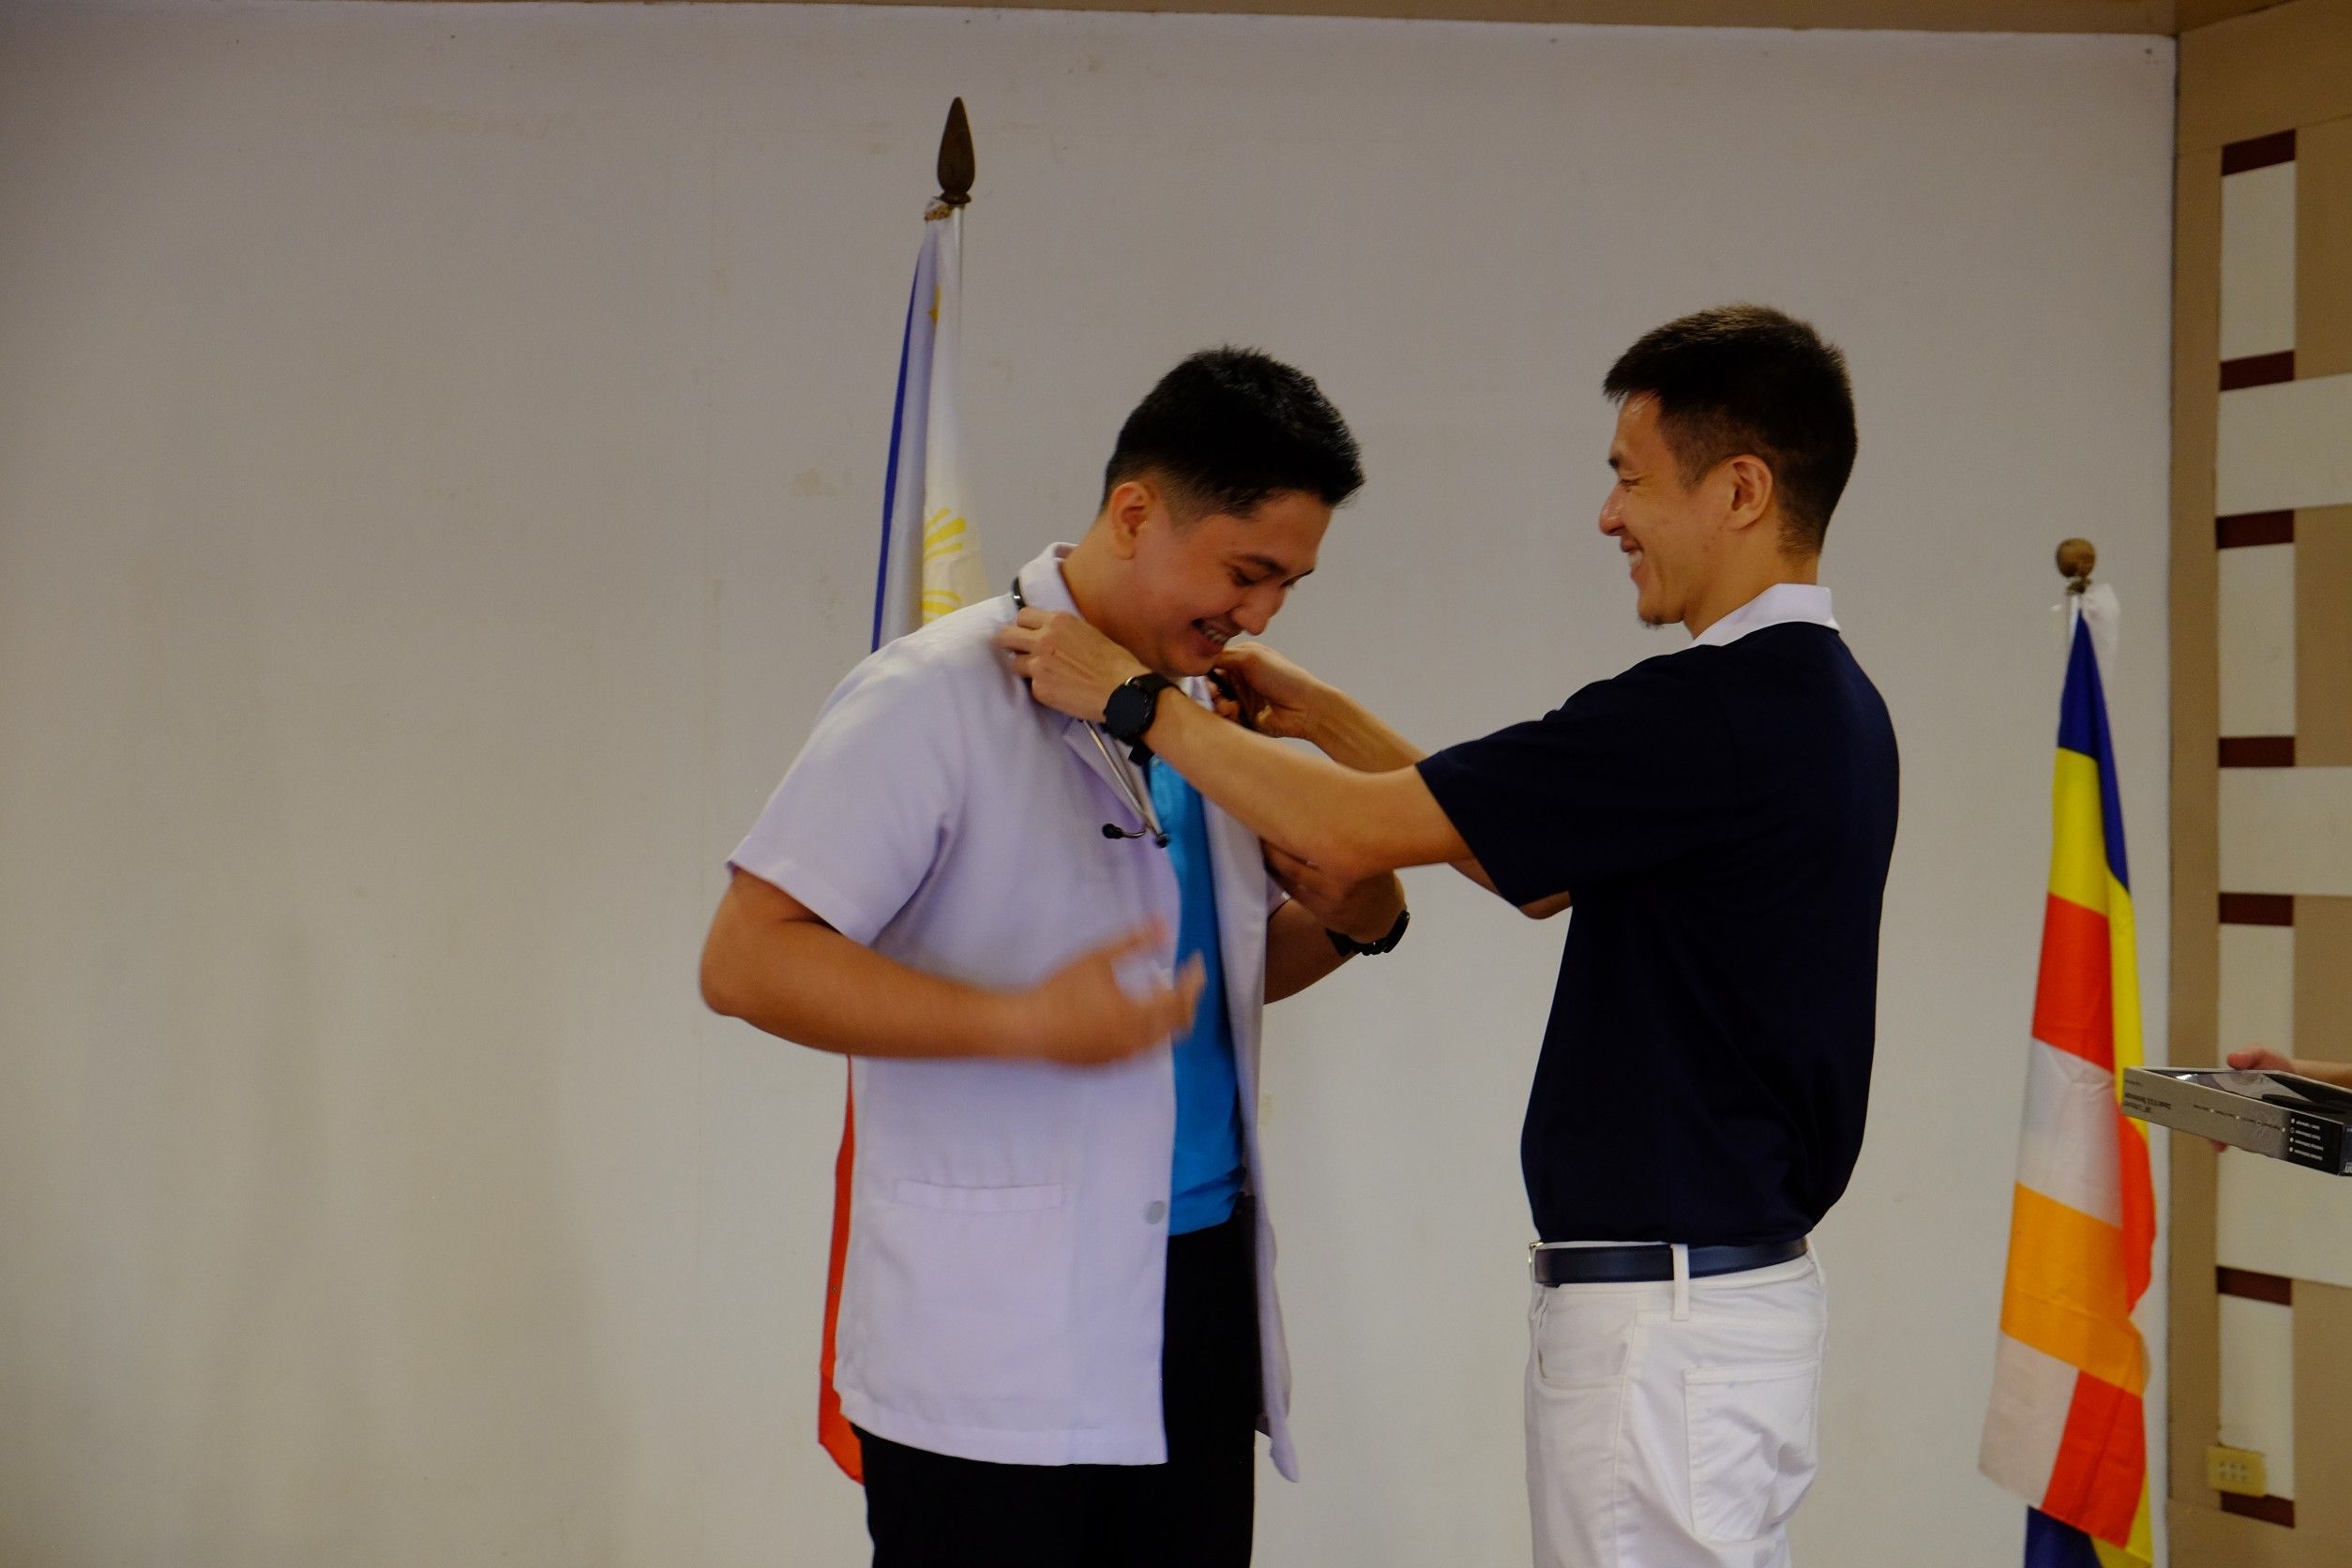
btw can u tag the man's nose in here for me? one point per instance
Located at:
(1256, 611)
(1612, 522)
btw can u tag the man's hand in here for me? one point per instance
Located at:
(1275, 697)
(2261, 1059)
(1083, 1016)
(1364, 910)
(1070, 667)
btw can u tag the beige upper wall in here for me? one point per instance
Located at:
(2159, 17)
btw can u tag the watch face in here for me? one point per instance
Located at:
(1130, 710)
(1119, 713)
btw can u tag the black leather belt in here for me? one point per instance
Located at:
(1638, 1262)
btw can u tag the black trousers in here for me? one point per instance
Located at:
(928, 1510)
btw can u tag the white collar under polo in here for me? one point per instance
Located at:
(1782, 604)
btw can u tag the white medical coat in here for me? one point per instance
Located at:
(1008, 1227)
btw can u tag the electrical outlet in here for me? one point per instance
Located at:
(2236, 1469)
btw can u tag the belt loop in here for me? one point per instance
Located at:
(1681, 1283)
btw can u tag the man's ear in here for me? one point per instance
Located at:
(1750, 479)
(1128, 508)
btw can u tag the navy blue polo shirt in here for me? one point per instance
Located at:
(1723, 816)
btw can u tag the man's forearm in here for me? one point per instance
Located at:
(1353, 824)
(1353, 736)
(1350, 734)
(808, 983)
(1298, 951)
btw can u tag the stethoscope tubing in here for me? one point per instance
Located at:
(1139, 800)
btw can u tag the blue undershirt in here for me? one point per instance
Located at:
(1207, 1178)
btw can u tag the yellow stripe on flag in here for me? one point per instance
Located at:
(2123, 945)
(2142, 1551)
(2065, 1292)
(2078, 850)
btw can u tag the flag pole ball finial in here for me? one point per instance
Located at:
(955, 161)
(2075, 558)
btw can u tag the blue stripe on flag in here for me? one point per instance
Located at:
(2083, 727)
(890, 478)
(2052, 1545)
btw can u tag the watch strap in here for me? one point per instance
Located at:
(1349, 947)
(1133, 705)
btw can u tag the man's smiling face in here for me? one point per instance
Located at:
(1671, 532)
(1199, 584)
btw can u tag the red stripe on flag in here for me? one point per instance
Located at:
(832, 1429)
(2102, 1464)
(2139, 1205)
(2073, 1004)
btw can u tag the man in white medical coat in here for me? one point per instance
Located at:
(1058, 1329)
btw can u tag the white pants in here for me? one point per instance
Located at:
(1674, 1425)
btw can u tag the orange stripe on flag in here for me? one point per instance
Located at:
(2072, 1006)
(2102, 1462)
(2065, 1293)
(832, 1429)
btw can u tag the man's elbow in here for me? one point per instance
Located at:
(1347, 855)
(721, 990)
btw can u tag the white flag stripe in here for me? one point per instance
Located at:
(2032, 1394)
(2067, 1151)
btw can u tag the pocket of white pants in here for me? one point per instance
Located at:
(1753, 1444)
(1583, 1340)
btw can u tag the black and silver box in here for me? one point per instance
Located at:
(2283, 1115)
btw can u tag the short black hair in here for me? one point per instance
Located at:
(1747, 379)
(1228, 429)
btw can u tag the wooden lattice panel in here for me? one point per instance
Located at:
(2261, 1252)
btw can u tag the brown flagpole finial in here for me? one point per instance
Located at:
(956, 158)
(2075, 558)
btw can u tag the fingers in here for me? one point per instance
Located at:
(1186, 995)
(1228, 703)
(1288, 871)
(1150, 937)
(1245, 659)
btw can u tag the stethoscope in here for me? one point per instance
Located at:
(1139, 799)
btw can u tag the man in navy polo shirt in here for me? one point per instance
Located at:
(1722, 818)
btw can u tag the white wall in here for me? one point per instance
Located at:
(439, 455)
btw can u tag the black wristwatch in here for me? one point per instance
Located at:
(1349, 947)
(1129, 712)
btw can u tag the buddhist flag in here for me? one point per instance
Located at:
(931, 566)
(2065, 1430)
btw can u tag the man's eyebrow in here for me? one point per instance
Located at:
(1272, 567)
